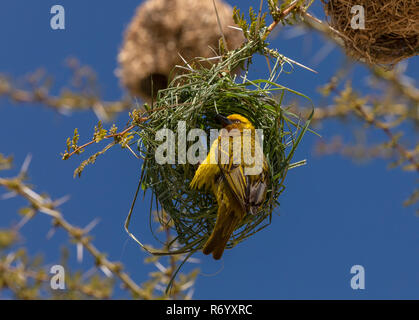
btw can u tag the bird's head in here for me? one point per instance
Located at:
(234, 121)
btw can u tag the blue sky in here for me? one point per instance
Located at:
(334, 213)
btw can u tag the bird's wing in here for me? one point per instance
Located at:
(232, 171)
(237, 182)
(256, 192)
(249, 190)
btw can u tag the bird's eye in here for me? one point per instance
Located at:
(236, 121)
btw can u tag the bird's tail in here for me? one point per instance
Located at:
(227, 222)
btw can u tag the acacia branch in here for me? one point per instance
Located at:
(66, 101)
(8, 272)
(79, 235)
(369, 118)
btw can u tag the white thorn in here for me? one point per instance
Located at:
(236, 28)
(88, 273)
(79, 252)
(193, 260)
(160, 266)
(8, 195)
(106, 271)
(190, 294)
(50, 233)
(61, 201)
(26, 164)
(91, 225)
(23, 221)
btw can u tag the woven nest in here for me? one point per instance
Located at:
(163, 29)
(196, 98)
(391, 29)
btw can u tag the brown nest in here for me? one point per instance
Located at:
(163, 29)
(391, 29)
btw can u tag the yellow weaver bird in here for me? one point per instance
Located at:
(237, 192)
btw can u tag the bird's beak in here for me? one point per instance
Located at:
(223, 120)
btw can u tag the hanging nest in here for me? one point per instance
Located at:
(196, 97)
(391, 29)
(163, 29)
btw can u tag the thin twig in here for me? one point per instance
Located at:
(119, 134)
(279, 18)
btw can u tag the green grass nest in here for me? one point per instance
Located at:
(195, 97)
